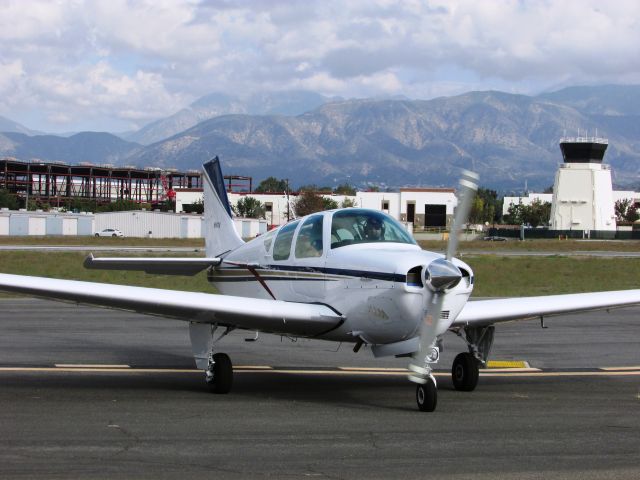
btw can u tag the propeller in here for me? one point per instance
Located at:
(439, 276)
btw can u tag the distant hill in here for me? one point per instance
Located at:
(609, 100)
(7, 125)
(91, 147)
(217, 104)
(508, 139)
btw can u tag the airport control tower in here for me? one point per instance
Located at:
(582, 193)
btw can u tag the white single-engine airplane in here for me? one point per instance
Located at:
(346, 275)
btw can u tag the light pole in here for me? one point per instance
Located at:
(287, 194)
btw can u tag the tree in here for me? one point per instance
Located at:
(124, 204)
(537, 213)
(486, 207)
(514, 214)
(314, 188)
(348, 203)
(476, 213)
(626, 211)
(7, 200)
(195, 207)
(272, 185)
(345, 189)
(249, 207)
(329, 203)
(309, 202)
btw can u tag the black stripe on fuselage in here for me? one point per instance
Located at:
(342, 272)
(267, 279)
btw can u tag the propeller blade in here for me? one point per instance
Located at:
(468, 188)
(428, 352)
(440, 276)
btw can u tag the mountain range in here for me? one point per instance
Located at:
(308, 138)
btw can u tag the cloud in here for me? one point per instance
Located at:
(122, 63)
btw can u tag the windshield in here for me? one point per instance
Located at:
(366, 226)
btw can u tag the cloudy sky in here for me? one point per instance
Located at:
(116, 65)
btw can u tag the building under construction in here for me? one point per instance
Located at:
(56, 183)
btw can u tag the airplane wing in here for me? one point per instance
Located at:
(273, 316)
(158, 265)
(487, 312)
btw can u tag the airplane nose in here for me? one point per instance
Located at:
(441, 274)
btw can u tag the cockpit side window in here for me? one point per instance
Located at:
(309, 241)
(366, 226)
(267, 240)
(282, 244)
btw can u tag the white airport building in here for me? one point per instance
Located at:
(419, 207)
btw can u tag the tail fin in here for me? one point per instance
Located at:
(220, 234)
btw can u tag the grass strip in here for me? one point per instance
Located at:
(495, 276)
(68, 265)
(542, 245)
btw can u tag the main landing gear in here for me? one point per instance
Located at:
(217, 367)
(219, 373)
(465, 372)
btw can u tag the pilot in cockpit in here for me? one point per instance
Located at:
(374, 230)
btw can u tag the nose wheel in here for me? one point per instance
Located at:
(219, 374)
(427, 396)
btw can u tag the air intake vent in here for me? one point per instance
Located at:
(414, 277)
(444, 315)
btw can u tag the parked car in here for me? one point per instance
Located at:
(494, 238)
(110, 232)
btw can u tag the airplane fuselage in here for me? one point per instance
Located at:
(382, 304)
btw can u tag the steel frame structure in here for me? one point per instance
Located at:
(57, 181)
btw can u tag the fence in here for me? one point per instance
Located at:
(532, 233)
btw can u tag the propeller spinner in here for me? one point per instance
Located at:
(440, 276)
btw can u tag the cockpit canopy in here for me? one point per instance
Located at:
(315, 234)
(356, 225)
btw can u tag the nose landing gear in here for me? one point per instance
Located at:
(427, 395)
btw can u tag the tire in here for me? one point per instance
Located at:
(114, 235)
(465, 372)
(222, 374)
(97, 234)
(427, 396)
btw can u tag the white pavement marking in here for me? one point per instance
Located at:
(88, 365)
(348, 371)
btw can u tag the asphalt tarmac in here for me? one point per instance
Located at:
(92, 393)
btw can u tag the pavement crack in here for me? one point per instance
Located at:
(130, 438)
(373, 440)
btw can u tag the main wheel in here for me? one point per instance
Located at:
(427, 396)
(465, 372)
(222, 374)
